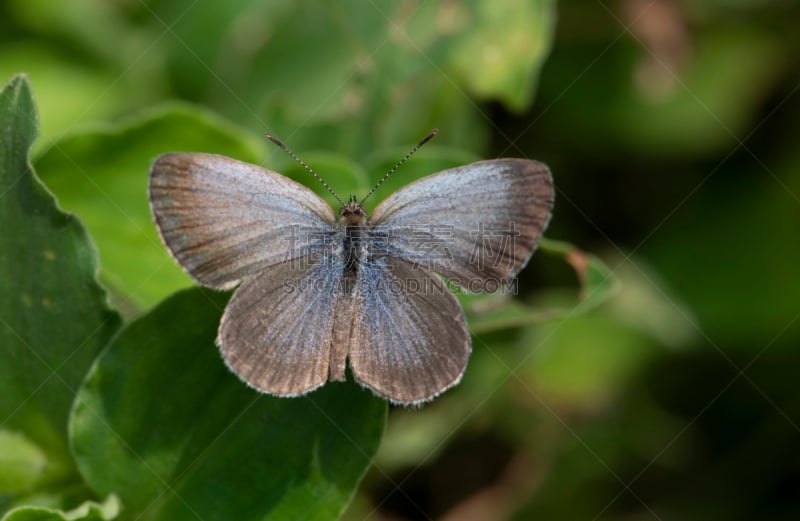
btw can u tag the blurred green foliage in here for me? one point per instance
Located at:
(663, 387)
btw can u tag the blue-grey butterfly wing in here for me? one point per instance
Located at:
(276, 331)
(224, 220)
(409, 340)
(476, 223)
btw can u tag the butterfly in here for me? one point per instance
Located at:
(317, 291)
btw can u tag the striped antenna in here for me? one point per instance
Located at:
(304, 165)
(395, 167)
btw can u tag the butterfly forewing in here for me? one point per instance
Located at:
(225, 220)
(409, 340)
(472, 224)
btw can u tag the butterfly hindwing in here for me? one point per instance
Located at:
(276, 332)
(409, 341)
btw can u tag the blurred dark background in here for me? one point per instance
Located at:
(673, 132)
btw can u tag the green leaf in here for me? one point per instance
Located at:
(102, 176)
(21, 463)
(162, 422)
(53, 315)
(596, 284)
(499, 46)
(494, 313)
(88, 511)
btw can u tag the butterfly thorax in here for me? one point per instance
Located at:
(353, 221)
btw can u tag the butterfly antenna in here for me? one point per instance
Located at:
(304, 165)
(395, 167)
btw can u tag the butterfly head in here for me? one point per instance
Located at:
(353, 214)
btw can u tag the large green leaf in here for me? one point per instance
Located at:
(53, 315)
(163, 423)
